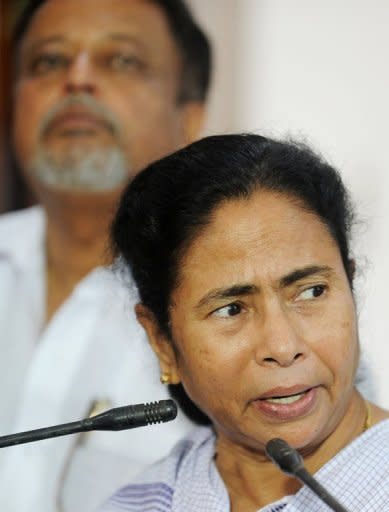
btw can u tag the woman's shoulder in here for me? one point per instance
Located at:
(359, 474)
(156, 485)
(373, 443)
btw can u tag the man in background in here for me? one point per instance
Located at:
(103, 87)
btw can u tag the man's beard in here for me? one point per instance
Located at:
(91, 170)
(76, 165)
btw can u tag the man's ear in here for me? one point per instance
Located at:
(193, 120)
(159, 342)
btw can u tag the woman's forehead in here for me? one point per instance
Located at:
(268, 230)
(265, 215)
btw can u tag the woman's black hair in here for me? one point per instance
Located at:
(167, 205)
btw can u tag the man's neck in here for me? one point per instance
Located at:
(76, 243)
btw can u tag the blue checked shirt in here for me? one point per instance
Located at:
(188, 481)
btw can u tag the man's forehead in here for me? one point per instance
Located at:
(99, 19)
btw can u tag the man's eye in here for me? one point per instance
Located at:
(123, 62)
(313, 292)
(47, 63)
(228, 311)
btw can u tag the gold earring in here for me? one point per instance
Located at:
(165, 378)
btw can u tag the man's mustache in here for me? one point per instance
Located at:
(90, 104)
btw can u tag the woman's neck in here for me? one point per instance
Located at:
(253, 481)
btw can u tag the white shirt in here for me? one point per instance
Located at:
(92, 350)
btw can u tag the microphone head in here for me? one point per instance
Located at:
(284, 456)
(162, 411)
(132, 416)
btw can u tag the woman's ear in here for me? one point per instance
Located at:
(160, 343)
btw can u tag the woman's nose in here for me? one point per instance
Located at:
(280, 342)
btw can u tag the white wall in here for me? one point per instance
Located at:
(218, 19)
(318, 70)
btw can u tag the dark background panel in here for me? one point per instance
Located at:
(13, 192)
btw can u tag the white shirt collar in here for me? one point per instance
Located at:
(22, 235)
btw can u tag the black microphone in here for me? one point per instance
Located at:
(119, 418)
(290, 462)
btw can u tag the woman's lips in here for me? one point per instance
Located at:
(287, 404)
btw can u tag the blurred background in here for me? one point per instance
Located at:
(316, 71)
(13, 193)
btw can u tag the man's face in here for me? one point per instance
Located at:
(96, 93)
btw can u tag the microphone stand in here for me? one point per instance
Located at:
(306, 478)
(290, 462)
(119, 418)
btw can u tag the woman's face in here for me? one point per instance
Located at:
(264, 325)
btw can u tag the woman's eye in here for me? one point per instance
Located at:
(312, 293)
(228, 311)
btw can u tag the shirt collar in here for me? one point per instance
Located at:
(22, 237)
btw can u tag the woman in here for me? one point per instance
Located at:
(240, 248)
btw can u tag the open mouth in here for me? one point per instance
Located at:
(286, 399)
(287, 404)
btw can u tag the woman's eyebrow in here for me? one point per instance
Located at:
(236, 290)
(303, 272)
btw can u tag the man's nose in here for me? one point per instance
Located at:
(279, 342)
(81, 76)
